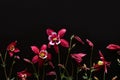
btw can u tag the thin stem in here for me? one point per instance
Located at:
(4, 66)
(91, 63)
(68, 53)
(5, 56)
(11, 69)
(43, 73)
(36, 75)
(104, 76)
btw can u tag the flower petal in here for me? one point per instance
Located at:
(11, 54)
(49, 56)
(79, 39)
(64, 43)
(41, 61)
(44, 47)
(35, 59)
(49, 31)
(16, 50)
(61, 32)
(56, 48)
(51, 73)
(35, 49)
(89, 42)
(113, 47)
(101, 56)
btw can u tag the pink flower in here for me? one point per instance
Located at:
(51, 73)
(78, 57)
(55, 38)
(11, 48)
(89, 42)
(113, 47)
(23, 75)
(41, 54)
(102, 63)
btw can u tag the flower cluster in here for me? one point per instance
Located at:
(58, 60)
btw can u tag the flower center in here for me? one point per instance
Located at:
(54, 38)
(100, 62)
(24, 76)
(12, 48)
(43, 54)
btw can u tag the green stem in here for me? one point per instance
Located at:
(104, 76)
(4, 66)
(5, 56)
(69, 49)
(11, 68)
(36, 75)
(43, 73)
(91, 63)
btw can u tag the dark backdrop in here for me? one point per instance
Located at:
(26, 21)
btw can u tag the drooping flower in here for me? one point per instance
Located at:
(78, 39)
(23, 75)
(56, 38)
(113, 47)
(11, 48)
(78, 57)
(102, 63)
(89, 43)
(41, 54)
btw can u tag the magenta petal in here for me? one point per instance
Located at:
(44, 47)
(16, 50)
(64, 43)
(101, 56)
(79, 39)
(49, 56)
(51, 73)
(41, 62)
(11, 54)
(49, 31)
(56, 48)
(89, 42)
(61, 32)
(35, 49)
(113, 47)
(35, 59)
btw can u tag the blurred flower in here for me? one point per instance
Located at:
(41, 54)
(78, 57)
(11, 48)
(113, 47)
(102, 63)
(89, 42)
(55, 38)
(114, 78)
(23, 75)
(51, 73)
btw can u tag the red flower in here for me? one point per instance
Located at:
(78, 57)
(41, 54)
(55, 39)
(102, 63)
(12, 48)
(113, 47)
(23, 75)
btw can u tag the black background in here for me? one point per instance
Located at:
(26, 21)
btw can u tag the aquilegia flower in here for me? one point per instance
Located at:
(113, 47)
(11, 48)
(55, 38)
(78, 57)
(23, 75)
(102, 63)
(41, 54)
